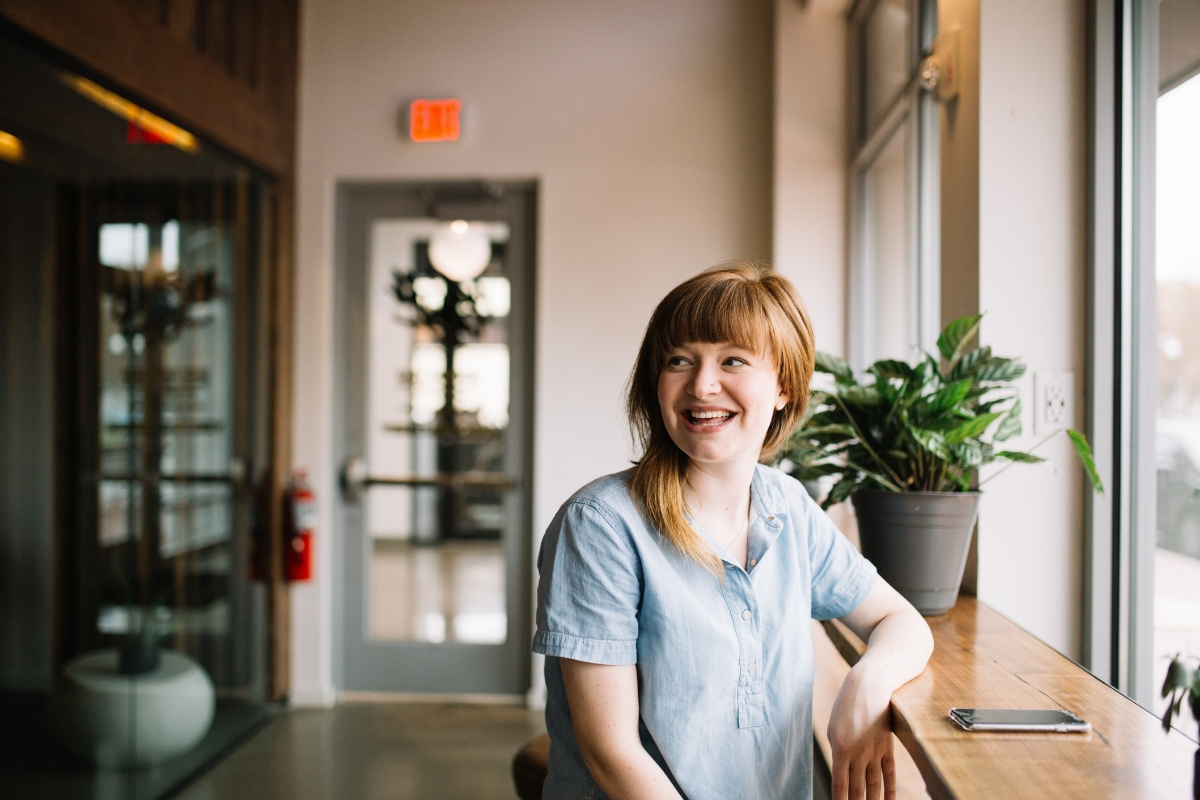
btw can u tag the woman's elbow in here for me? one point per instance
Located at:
(923, 638)
(606, 762)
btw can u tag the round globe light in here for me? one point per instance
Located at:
(460, 251)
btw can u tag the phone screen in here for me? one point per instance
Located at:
(977, 719)
(1016, 716)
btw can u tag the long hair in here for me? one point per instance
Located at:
(737, 303)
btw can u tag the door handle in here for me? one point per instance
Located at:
(355, 479)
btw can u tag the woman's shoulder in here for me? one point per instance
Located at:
(608, 495)
(598, 520)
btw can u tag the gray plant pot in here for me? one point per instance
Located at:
(918, 541)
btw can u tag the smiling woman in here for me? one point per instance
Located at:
(675, 598)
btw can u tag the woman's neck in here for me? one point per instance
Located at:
(720, 492)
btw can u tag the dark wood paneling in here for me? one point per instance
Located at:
(244, 102)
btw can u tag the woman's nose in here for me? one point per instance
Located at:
(704, 382)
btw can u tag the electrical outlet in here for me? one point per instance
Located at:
(1054, 407)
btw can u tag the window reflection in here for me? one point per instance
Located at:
(1177, 559)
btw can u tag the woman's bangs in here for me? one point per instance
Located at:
(729, 313)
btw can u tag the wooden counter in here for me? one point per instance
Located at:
(983, 660)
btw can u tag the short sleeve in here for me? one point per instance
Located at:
(589, 590)
(841, 577)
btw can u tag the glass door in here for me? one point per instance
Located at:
(135, 262)
(437, 364)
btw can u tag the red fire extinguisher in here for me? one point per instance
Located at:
(303, 511)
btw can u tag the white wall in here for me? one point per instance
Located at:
(810, 159)
(1031, 286)
(648, 125)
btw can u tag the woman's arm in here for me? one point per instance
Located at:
(604, 712)
(860, 732)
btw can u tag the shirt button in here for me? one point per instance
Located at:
(770, 519)
(753, 561)
(746, 615)
(750, 667)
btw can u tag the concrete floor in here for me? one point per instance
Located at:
(376, 750)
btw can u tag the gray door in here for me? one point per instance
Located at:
(434, 402)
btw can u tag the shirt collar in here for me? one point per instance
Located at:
(769, 510)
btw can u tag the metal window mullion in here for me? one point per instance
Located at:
(912, 221)
(859, 317)
(1101, 575)
(1143, 346)
(929, 227)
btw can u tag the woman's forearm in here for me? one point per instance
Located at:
(898, 646)
(630, 773)
(897, 650)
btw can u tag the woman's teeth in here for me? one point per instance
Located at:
(709, 417)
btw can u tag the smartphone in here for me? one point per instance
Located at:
(1018, 719)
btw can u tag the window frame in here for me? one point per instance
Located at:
(916, 109)
(1120, 527)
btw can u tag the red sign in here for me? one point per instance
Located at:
(434, 120)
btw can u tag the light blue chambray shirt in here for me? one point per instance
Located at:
(725, 669)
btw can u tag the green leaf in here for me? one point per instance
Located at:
(841, 490)
(972, 427)
(1019, 457)
(1084, 451)
(1000, 370)
(861, 395)
(949, 396)
(968, 454)
(845, 431)
(960, 482)
(891, 368)
(835, 366)
(970, 363)
(1179, 676)
(957, 337)
(1010, 426)
(932, 441)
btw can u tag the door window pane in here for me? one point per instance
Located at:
(1177, 560)
(436, 543)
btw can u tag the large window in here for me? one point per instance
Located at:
(1177, 366)
(894, 250)
(1142, 604)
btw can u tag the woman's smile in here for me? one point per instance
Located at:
(705, 420)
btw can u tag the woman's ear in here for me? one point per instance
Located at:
(781, 401)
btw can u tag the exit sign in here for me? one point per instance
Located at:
(434, 120)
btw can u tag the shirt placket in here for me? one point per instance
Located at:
(743, 607)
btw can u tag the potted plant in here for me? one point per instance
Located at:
(905, 445)
(1183, 683)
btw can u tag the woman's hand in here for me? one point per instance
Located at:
(860, 735)
(860, 728)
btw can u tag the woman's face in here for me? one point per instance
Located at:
(717, 401)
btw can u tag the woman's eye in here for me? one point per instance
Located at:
(734, 361)
(676, 361)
